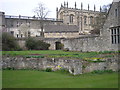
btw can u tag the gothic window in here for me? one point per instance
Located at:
(71, 18)
(61, 16)
(116, 12)
(115, 35)
(85, 20)
(91, 20)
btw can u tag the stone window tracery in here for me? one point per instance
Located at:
(85, 20)
(91, 20)
(71, 18)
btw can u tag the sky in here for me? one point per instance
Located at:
(26, 7)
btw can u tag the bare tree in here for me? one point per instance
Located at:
(105, 8)
(99, 22)
(100, 19)
(41, 12)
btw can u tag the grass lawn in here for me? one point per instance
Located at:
(39, 79)
(59, 53)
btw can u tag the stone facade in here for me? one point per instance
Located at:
(74, 66)
(84, 19)
(109, 39)
(23, 26)
(61, 31)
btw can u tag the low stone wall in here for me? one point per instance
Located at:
(109, 64)
(75, 66)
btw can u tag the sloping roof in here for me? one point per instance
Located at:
(61, 28)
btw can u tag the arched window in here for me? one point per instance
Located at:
(61, 16)
(85, 20)
(91, 20)
(71, 18)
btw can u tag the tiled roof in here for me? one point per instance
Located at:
(61, 28)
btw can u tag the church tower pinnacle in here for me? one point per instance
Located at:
(75, 5)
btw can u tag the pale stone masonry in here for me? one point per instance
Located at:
(61, 31)
(58, 31)
(74, 66)
(84, 19)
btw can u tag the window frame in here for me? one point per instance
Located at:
(115, 35)
(71, 18)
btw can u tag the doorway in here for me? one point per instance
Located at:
(58, 45)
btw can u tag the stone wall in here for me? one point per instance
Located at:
(83, 43)
(74, 66)
(92, 43)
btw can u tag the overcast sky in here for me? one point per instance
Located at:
(26, 7)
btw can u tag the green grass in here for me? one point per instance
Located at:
(39, 79)
(14, 53)
(58, 54)
(52, 53)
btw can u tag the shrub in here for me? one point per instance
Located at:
(48, 70)
(33, 56)
(9, 68)
(33, 44)
(102, 71)
(9, 43)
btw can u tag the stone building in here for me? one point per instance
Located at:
(84, 19)
(24, 26)
(108, 40)
(70, 22)
(62, 31)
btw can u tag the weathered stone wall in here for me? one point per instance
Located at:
(93, 43)
(109, 64)
(42, 63)
(111, 21)
(75, 66)
(83, 43)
